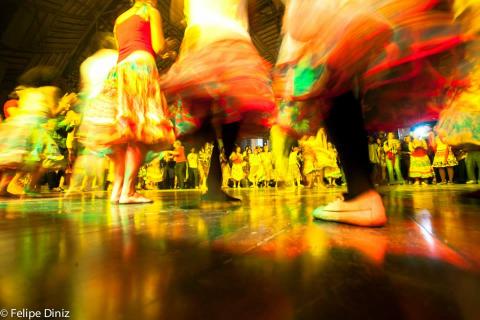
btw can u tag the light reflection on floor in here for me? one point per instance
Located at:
(264, 259)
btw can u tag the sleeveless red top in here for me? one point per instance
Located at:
(134, 34)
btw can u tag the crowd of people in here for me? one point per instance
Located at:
(332, 81)
(420, 159)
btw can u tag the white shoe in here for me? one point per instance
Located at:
(471, 182)
(365, 210)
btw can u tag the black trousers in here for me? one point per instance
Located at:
(181, 173)
(346, 128)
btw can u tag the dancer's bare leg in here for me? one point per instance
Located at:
(134, 156)
(443, 175)
(118, 159)
(450, 174)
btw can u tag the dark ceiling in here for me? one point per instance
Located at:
(59, 33)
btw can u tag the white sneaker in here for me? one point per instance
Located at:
(365, 210)
(471, 182)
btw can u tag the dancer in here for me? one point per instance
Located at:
(294, 174)
(444, 159)
(326, 62)
(26, 146)
(420, 166)
(237, 166)
(130, 116)
(226, 170)
(255, 167)
(307, 145)
(221, 79)
(267, 163)
(332, 171)
(90, 165)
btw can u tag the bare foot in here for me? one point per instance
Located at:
(365, 210)
(134, 199)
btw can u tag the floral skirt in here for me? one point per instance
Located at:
(460, 123)
(443, 160)
(226, 82)
(131, 108)
(420, 167)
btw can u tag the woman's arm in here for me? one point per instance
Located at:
(158, 40)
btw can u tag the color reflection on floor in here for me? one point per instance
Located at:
(264, 259)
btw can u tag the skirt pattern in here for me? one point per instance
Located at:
(420, 167)
(233, 76)
(131, 108)
(443, 160)
(460, 123)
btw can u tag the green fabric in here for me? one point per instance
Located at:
(305, 77)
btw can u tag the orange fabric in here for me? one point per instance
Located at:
(12, 103)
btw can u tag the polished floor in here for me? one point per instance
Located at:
(264, 259)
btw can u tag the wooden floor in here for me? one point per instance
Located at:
(264, 259)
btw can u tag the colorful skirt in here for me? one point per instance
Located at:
(420, 167)
(399, 65)
(443, 160)
(460, 123)
(26, 144)
(226, 82)
(130, 109)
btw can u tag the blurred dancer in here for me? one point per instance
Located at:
(92, 164)
(294, 174)
(325, 67)
(332, 172)
(130, 115)
(221, 79)
(27, 146)
(459, 123)
(267, 163)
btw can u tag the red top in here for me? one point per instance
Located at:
(180, 157)
(134, 34)
(419, 152)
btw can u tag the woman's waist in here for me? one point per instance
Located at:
(136, 54)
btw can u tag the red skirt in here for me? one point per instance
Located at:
(226, 82)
